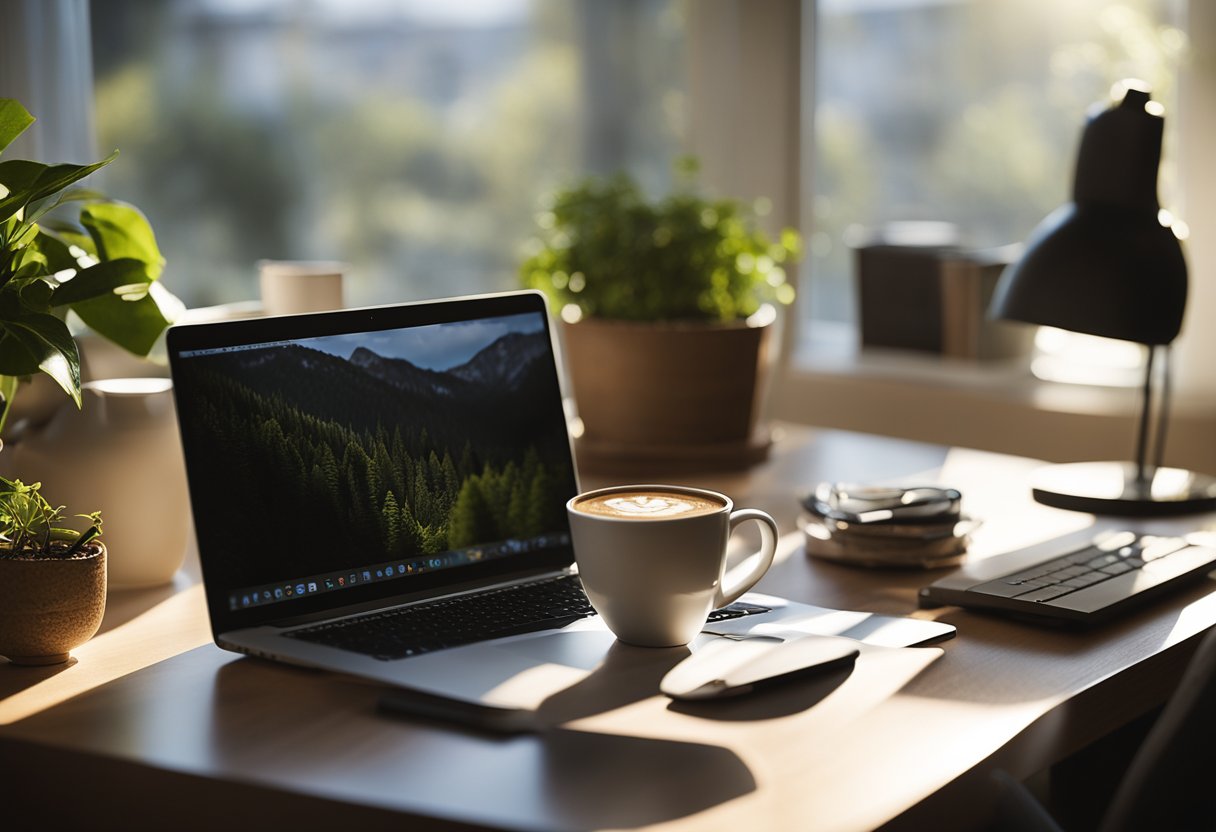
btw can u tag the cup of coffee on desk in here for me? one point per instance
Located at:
(652, 558)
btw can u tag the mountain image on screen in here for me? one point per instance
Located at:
(326, 459)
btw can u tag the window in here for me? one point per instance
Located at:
(964, 112)
(414, 138)
(411, 139)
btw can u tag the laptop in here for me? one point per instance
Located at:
(379, 491)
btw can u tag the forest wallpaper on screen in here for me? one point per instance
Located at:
(319, 461)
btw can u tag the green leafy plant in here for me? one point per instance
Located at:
(95, 257)
(605, 250)
(30, 526)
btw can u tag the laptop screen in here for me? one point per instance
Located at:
(346, 457)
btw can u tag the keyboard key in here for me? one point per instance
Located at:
(1001, 589)
(1088, 579)
(1046, 593)
(1082, 557)
(1069, 572)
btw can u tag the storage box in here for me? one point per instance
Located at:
(935, 299)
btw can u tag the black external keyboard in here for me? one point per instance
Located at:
(1078, 570)
(1083, 585)
(401, 632)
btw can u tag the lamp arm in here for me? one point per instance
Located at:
(1163, 408)
(1146, 412)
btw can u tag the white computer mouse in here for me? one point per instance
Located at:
(735, 666)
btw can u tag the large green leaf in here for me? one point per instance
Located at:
(30, 263)
(36, 294)
(30, 181)
(101, 279)
(69, 235)
(47, 340)
(120, 230)
(56, 250)
(18, 177)
(132, 324)
(15, 359)
(14, 118)
(16, 251)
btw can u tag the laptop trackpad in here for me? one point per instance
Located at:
(519, 672)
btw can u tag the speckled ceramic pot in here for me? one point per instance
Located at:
(49, 606)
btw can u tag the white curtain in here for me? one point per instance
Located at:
(46, 62)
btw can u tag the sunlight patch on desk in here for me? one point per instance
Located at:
(907, 769)
(173, 626)
(1194, 618)
(1011, 519)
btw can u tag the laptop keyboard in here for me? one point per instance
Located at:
(398, 633)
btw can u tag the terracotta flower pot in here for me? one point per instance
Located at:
(49, 606)
(672, 384)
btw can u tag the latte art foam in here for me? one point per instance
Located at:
(648, 505)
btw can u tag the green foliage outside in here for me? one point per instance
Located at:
(416, 154)
(101, 262)
(612, 253)
(28, 523)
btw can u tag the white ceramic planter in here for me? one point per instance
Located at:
(119, 453)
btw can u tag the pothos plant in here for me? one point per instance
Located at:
(30, 526)
(93, 256)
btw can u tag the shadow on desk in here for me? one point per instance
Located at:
(783, 699)
(219, 738)
(16, 678)
(632, 674)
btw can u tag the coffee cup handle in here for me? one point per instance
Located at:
(744, 576)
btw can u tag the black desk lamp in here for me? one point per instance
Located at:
(1104, 264)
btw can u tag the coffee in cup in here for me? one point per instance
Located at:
(652, 558)
(647, 504)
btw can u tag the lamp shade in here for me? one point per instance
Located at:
(1104, 264)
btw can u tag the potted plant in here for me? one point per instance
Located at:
(667, 308)
(62, 249)
(69, 249)
(52, 579)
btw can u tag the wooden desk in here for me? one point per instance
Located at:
(153, 726)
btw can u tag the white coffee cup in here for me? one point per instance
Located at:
(652, 558)
(290, 287)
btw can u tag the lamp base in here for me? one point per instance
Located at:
(1113, 488)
